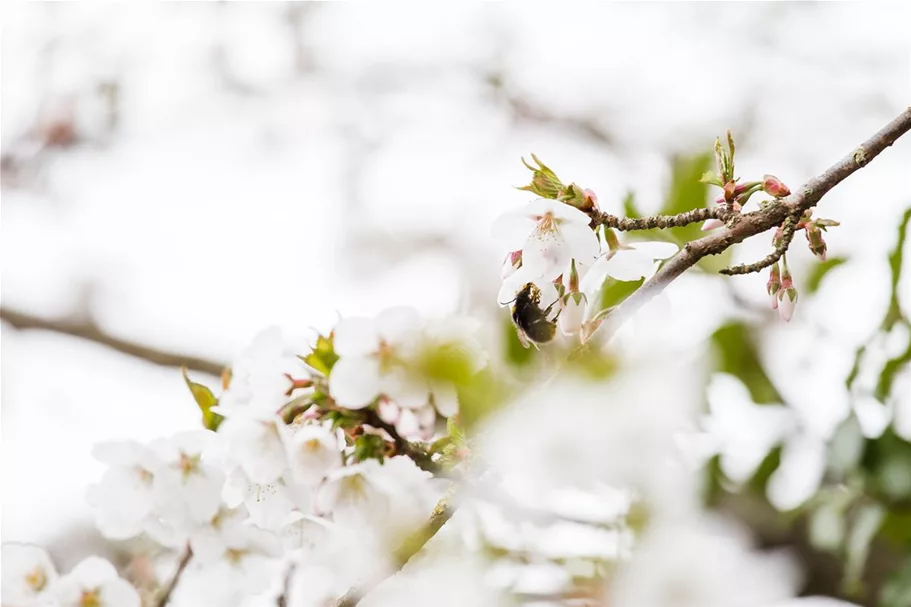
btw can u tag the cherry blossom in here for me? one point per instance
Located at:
(313, 451)
(188, 490)
(631, 261)
(124, 498)
(94, 583)
(256, 444)
(371, 352)
(550, 234)
(259, 376)
(28, 575)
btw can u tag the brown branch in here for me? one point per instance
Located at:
(402, 445)
(626, 224)
(89, 331)
(411, 546)
(746, 225)
(788, 229)
(169, 589)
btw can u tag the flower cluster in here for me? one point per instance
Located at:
(30, 580)
(550, 243)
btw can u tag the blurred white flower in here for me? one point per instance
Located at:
(369, 353)
(269, 504)
(632, 261)
(94, 583)
(187, 489)
(550, 234)
(255, 444)
(352, 497)
(313, 451)
(258, 376)
(27, 575)
(702, 562)
(124, 498)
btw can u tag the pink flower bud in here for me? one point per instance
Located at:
(512, 263)
(712, 224)
(787, 301)
(591, 199)
(407, 424)
(388, 411)
(729, 189)
(773, 186)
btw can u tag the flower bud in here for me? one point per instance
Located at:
(544, 182)
(572, 313)
(773, 186)
(512, 263)
(729, 189)
(817, 243)
(787, 301)
(388, 411)
(575, 196)
(774, 284)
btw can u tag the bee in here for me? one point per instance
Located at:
(532, 323)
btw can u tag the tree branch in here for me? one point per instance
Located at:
(88, 330)
(411, 546)
(741, 227)
(788, 229)
(402, 445)
(626, 224)
(169, 589)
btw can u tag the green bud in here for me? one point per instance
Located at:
(544, 182)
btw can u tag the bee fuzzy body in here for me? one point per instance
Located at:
(532, 323)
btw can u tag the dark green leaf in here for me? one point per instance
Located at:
(897, 591)
(736, 353)
(896, 258)
(205, 399)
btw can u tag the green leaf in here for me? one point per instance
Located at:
(897, 591)
(736, 353)
(820, 270)
(615, 291)
(516, 354)
(896, 259)
(369, 446)
(205, 399)
(323, 356)
(483, 395)
(866, 523)
(629, 206)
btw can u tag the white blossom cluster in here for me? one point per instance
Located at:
(551, 245)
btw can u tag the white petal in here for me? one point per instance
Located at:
(594, 277)
(27, 573)
(407, 424)
(629, 264)
(803, 461)
(562, 211)
(119, 593)
(513, 284)
(872, 415)
(93, 571)
(512, 228)
(355, 381)
(388, 411)
(398, 325)
(407, 391)
(546, 254)
(445, 399)
(355, 336)
(582, 241)
(656, 249)
(570, 321)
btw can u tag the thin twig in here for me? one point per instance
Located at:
(627, 224)
(91, 332)
(411, 546)
(788, 229)
(181, 566)
(746, 225)
(402, 445)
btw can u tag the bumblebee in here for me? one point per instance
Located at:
(532, 323)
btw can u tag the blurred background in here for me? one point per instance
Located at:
(177, 177)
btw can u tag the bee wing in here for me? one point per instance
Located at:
(523, 339)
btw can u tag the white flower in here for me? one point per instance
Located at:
(517, 281)
(188, 490)
(313, 451)
(572, 314)
(270, 504)
(256, 445)
(631, 261)
(258, 379)
(550, 234)
(124, 498)
(94, 583)
(743, 433)
(28, 575)
(370, 353)
(706, 562)
(352, 496)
